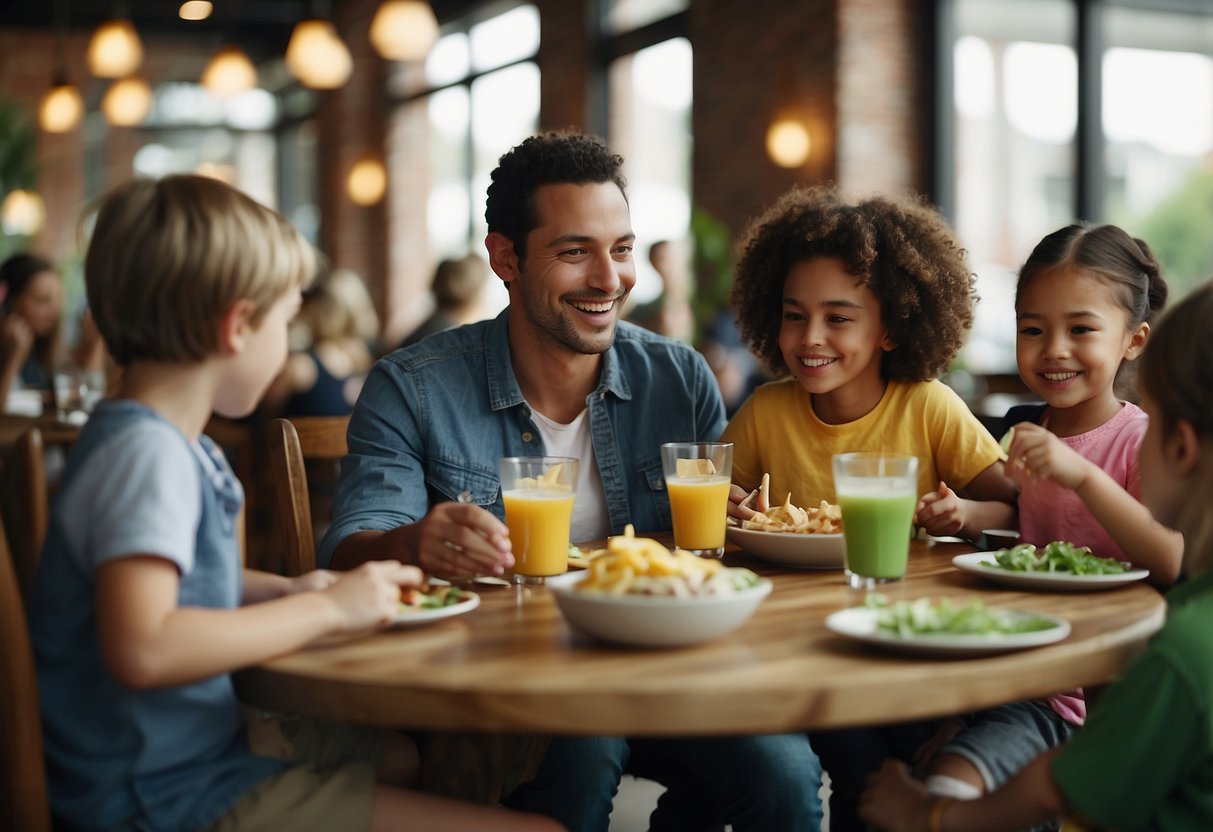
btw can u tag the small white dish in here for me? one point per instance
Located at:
(802, 551)
(416, 617)
(859, 623)
(978, 563)
(653, 620)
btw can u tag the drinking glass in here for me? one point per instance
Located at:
(877, 493)
(697, 478)
(538, 495)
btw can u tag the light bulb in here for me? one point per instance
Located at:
(22, 214)
(61, 109)
(367, 182)
(229, 72)
(788, 142)
(317, 56)
(127, 102)
(404, 30)
(115, 49)
(195, 10)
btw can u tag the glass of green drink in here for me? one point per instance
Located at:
(877, 493)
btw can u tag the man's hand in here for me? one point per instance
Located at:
(735, 509)
(458, 540)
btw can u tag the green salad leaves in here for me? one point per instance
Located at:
(1057, 556)
(925, 617)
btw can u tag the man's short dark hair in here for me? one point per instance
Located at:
(549, 158)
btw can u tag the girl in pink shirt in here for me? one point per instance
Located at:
(1084, 303)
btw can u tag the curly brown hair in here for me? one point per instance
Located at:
(903, 251)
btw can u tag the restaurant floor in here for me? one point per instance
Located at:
(636, 799)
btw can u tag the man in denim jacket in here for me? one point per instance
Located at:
(555, 373)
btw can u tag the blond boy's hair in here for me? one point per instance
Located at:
(169, 257)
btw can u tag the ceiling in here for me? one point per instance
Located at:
(261, 27)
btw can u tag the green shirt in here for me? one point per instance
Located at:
(1144, 759)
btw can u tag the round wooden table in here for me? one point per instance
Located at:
(513, 664)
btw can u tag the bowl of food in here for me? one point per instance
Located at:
(641, 594)
(803, 538)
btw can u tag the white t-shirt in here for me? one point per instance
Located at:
(590, 518)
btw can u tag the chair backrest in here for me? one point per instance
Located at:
(23, 503)
(293, 443)
(24, 803)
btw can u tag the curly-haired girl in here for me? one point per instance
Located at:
(863, 305)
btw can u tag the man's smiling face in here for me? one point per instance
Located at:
(578, 267)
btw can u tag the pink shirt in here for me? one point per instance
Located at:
(1049, 512)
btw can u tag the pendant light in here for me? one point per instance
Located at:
(317, 56)
(367, 181)
(61, 107)
(115, 49)
(127, 102)
(22, 213)
(404, 30)
(229, 72)
(195, 10)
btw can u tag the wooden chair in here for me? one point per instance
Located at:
(24, 803)
(293, 444)
(23, 503)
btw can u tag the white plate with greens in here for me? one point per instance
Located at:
(416, 616)
(864, 624)
(985, 565)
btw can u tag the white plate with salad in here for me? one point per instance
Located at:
(1057, 566)
(434, 604)
(945, 629)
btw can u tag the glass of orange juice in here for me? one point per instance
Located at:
(697, 478)
(538, 496)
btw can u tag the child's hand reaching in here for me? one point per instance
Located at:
(894, 801)
(735, 509)
(1037, 452)
(313, 581)
(941, 512)
(369, 596)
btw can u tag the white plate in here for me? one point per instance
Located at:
(803, 551)
(409, 617)
(975, 564)
(653, 620)
(859, 623)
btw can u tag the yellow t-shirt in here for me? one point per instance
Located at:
(777, 432)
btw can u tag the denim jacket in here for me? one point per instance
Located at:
(434, 418)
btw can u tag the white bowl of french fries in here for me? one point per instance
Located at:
(639, 593)
(804, 538)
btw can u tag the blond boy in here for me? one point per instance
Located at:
(140, 608)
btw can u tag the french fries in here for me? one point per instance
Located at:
(633, 565)
(825, 518)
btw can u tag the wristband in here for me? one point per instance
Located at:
(935, 818)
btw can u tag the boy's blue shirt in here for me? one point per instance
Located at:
(172, 758)
(434, 419)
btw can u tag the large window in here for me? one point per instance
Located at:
(1071, 109)
(475, 97)
(648, 77)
